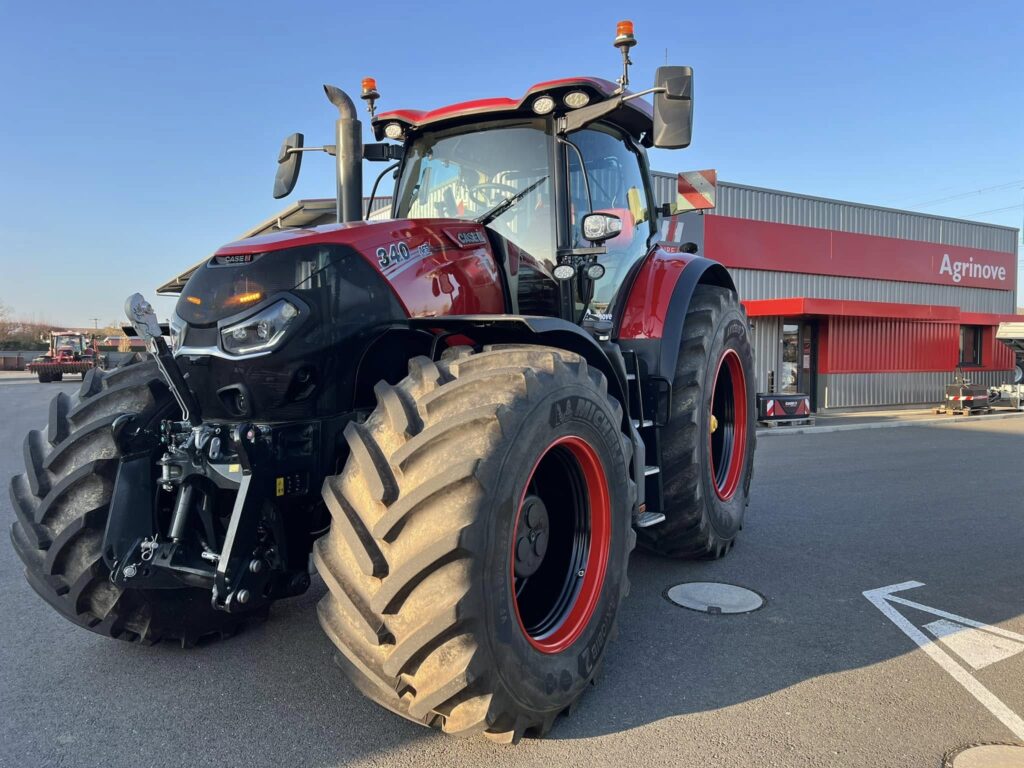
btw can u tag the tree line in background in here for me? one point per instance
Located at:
(33, 334)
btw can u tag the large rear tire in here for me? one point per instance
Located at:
(61, 505)
(708, 443)
(442, 604)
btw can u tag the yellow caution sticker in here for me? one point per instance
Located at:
(234, 467)
(279, 488)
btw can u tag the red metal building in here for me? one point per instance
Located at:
(858, 305)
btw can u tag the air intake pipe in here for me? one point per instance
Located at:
(349, 155)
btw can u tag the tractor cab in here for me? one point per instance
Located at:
(558, 177)
(503, 163)
(67, 346)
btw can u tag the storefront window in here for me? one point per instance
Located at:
(789, 380)
(970, 345)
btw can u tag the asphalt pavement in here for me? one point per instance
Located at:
(819, 676)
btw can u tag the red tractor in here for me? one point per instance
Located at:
(468, 414)
(69, 352)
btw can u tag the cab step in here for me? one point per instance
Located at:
(647, 519)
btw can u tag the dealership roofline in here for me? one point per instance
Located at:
(867, 205)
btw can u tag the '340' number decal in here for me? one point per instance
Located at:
(393, 254)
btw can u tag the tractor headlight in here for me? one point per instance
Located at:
(177, 329)
(261, 332)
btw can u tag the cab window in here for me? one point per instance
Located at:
(616, 186)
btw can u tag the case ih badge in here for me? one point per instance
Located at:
(469, 445)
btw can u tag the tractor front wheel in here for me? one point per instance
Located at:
(481, 531)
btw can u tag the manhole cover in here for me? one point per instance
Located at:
(714, 597)
(986, 756)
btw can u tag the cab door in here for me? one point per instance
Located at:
(614, 182)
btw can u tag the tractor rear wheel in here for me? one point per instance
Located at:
(481, 531)
(708, 444)
(61, 504)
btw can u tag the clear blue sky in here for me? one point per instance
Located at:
(138, 137)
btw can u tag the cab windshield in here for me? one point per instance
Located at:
(465, 172)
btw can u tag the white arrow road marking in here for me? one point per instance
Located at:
(975, 646)
(883, 598)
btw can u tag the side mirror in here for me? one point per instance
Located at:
(288, 164)
(673, 107)
(598, 227)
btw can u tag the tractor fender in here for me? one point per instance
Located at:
(652, 319)
(527, 329)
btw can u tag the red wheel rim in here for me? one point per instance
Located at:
(554, 604)
(727, 435)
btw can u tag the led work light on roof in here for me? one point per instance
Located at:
(542, 105)
(576, 99)
(394, 131)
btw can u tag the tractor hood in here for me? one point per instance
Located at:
(433, 267)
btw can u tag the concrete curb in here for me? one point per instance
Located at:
(938, 421)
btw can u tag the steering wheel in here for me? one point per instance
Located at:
(486, 195)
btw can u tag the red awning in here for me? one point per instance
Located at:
(802, 305)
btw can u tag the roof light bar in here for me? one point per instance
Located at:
(542, 105)
(576, 99)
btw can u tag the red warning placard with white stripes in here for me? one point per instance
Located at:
(695, 191)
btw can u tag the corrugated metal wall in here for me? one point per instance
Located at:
(846, 390)
(765, 284)
(766, 338)
(868, 344)
(790, 208)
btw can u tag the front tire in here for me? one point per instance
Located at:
(442, 604)
(708, 443)
(61, 504)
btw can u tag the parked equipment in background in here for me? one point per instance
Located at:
(774, 409)
(1012, 335)
(1011, 394)
(965, 398)
(69, 352)
(468, 414)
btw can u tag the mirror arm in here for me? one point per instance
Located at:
(656, 89)
(330, 149)
(382, 152)
(584, 116)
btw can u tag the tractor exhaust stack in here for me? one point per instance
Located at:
(349, 143)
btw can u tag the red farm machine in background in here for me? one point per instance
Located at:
(70, 352)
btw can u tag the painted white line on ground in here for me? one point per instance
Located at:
(883, 597)
(975, 646)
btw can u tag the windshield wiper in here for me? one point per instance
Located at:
(508, 202)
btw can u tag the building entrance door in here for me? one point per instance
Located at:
(799, 358)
